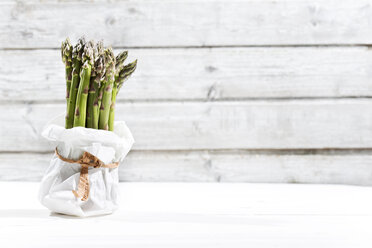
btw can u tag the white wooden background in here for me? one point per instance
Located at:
(232, 91)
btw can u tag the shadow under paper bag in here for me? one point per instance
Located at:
(62, 178)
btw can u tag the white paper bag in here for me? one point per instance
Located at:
(61, 178)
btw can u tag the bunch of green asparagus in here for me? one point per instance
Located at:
(94, 77)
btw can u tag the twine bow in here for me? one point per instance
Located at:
(86, 161)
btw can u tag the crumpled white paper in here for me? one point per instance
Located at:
(62, 177)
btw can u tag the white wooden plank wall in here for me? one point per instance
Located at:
(230, 91)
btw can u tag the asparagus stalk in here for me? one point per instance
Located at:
(106, 90)
(125, 73)
(66, 52)
(112, 108)
(95, 84)
(76, 65)
(120, 78)
(108, 64)
(120, 58)
(82, 95)
(97, 98)
(89, 115)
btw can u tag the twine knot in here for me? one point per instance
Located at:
(86, 161)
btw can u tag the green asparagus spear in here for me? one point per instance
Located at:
(120, 78)
(82, 95)
(120, 58)
(100, 48)
(106, 63)
(76, 65)
(106, 89)
(66, 52)
(89, 114)
(125, 73)
(112, 108)
(95, 84)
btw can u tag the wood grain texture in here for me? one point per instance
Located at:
(157, 23)
(200, 86)
(296, 124)
(215, 166)
(204, 74)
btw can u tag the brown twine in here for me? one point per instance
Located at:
(86, 161)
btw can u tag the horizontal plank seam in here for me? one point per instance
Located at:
(368, 45)
(258, 151)
(200, 100)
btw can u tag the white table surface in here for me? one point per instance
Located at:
(197, 215)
